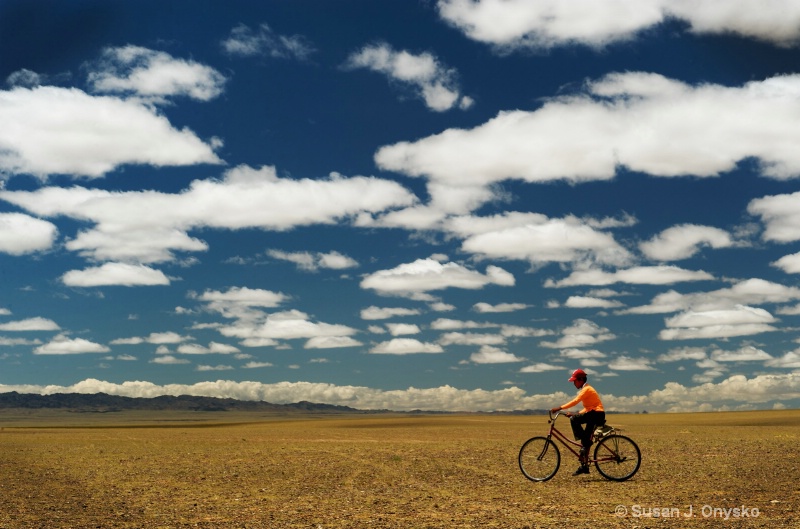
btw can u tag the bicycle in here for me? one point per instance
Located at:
(616, 456)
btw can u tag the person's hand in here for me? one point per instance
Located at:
(555, 410)
(568, 413)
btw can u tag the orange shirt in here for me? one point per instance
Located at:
(589, 397)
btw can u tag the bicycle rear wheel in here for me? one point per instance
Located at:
(539, 459)
(617, 457)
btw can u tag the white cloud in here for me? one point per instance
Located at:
(169, 360)
(493, 355)
(541, 368)
(640, 121)
(314, 261)
(148, 226)
(720, 323)
(21, 234)
(404, 346)
(331, 342)
(153, 74)
(384, 313)
(30, 324)
(447, 324)
(683, 353)
(626, 363)
(684, 241)
(256, 365)
(498, 308)
(246, 42)
(459, 338)
(62, 345)
(781, 216)
(548, 240)
(286, 325)
(746, 292)
(213, 348)
(115, 274)
(789, 263)
(220, 367)
(585, 302)
(598, 23)
(50, 130)
(432, 81)
(580, 334)
(424, 275)
(398, 329)
(790, 360)
(747, 353)
(638, 275)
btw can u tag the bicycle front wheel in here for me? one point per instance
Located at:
(539, 459)
(617, 457)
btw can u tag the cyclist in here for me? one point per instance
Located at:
(592, 415)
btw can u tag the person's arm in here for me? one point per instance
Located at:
(571, 403)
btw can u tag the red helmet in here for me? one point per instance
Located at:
(578, 373)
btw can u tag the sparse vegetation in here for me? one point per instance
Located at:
(162, 470)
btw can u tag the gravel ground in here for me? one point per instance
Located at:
(395, 472)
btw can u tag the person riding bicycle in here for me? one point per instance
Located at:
(592, 415)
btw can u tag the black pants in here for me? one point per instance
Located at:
(592, 419)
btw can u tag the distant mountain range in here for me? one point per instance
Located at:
(103, 403)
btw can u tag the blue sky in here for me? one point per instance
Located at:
(404, 204)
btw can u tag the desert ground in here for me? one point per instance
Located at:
(237, 470)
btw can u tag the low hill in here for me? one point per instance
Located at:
(104, 403)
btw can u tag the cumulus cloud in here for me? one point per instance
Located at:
(721, 323)
(747, 353)
(424, 275)
(587, 302)
(384, 313)
(459, 338)
(541, 367)
(640, 121)
(285, 325)
(48, 121)
(684, 241)
(780, 215)
(627, 363)
(115, 274)
(263, 41)
(748, 292)
(499, 307)
(398, 329)
(22, 234)
(599, 23)
(433, 82)
(553, 240)
(582, 333)
(30, 324)
(404, 346)
(637, 275)
(493, 355)
(134, 70)
(789, 263)
(145, 227)
(313, 261)
(62, 345)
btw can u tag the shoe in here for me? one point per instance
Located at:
(583, 469)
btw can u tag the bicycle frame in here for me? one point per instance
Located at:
(569, 443)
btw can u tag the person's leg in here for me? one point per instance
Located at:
(584, 436)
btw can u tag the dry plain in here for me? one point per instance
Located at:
(236, 470)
